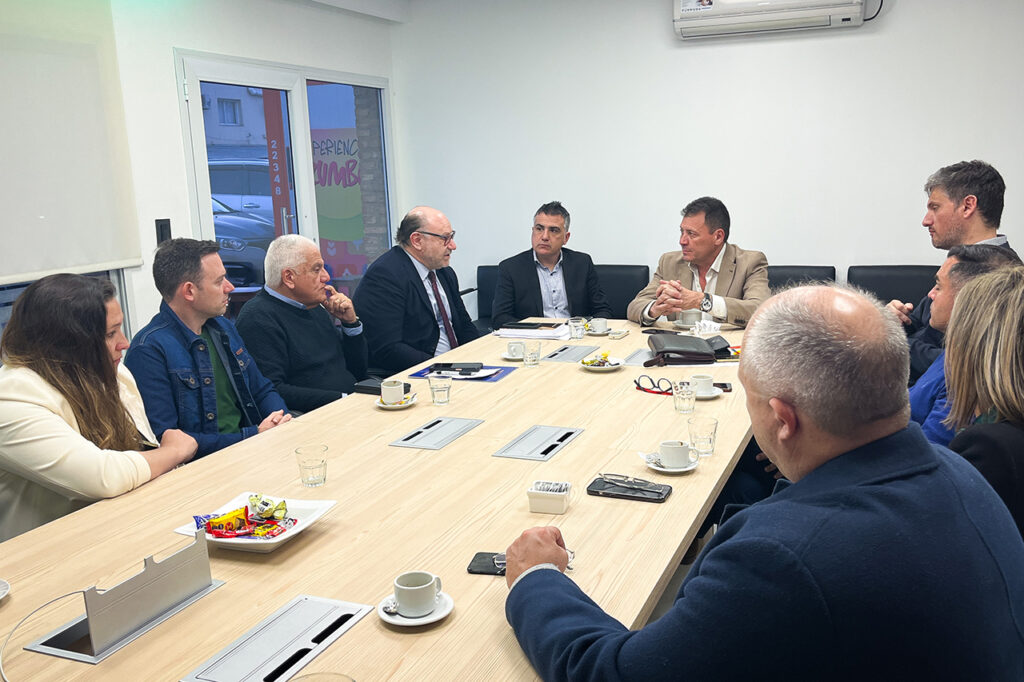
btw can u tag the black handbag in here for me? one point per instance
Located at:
(671, 349)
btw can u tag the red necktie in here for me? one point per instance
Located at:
(452, 341)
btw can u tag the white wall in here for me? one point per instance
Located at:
(296, 33)
(818, 142)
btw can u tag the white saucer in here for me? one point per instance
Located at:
(618, 364)
(445, 605)
(400, 406)
(666, 470)
(5, 588)
(715, 392)
(506, 356)
(604, 333)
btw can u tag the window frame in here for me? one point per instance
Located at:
(191, 67)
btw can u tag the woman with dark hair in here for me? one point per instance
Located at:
(73, 428)
(985, 380)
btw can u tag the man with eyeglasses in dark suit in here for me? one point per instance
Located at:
(409, 300)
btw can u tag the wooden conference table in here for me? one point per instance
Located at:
(399, 509)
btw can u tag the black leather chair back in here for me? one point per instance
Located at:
(486, 281)
(901, 282)
(786, 275)
(621, 284)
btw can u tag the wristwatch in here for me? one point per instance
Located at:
(706, 304)
(355, 323)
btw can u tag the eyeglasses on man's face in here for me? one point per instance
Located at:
(446, 238)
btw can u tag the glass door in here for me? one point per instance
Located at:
(248, 152)
(249, 125)
(347, 146)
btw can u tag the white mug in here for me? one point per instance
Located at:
(598, 325)
(417, 593)
(391, 391)
(676, 454)
(688, 318)
(515, 349)
(703, 384)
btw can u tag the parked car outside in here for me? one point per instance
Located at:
(243, 238)
(243, 185)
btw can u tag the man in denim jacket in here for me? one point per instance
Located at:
(216, 397)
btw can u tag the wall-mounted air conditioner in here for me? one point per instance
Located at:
(710, 18)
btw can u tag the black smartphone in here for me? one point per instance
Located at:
(483, 564)
(460, 367)
(724, 385)
(656, 492)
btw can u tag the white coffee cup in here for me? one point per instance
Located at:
(417, 593)
(676, 454)
(598, 325)
(688, 318)
(391, 391)
(703, 384)
(515, 349)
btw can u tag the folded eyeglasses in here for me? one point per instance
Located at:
(647, 384)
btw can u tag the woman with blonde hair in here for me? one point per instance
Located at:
(73, 428)
(985, 380)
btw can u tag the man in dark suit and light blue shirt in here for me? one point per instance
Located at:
(409, 299)
(548, 280)
(881, 557)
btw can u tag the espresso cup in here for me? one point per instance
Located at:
(676, 454)
(417, 593)
(598, 325)
(515, 349)
(391, 391)
(703, 384)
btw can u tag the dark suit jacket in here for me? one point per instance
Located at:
(518, 292)
(997, 451)
(398, 320)
(852, 563)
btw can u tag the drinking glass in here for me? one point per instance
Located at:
(531, 356)
(312, 461)
(683, 397)
(576, 327)
(440, 389)
(702, 434)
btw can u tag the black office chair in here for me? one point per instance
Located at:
(780, 276)
(901, 282)
(621, 284)
(486, 281)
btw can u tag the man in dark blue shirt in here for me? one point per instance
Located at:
(881, 557)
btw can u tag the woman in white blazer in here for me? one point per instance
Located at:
(73, 428)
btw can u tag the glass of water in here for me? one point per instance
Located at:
(440, 389)
(683, 397)
(312, 461)
(702, 434)
(531, 354)
(577, 326)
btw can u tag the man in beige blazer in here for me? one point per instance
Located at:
(726, 283)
